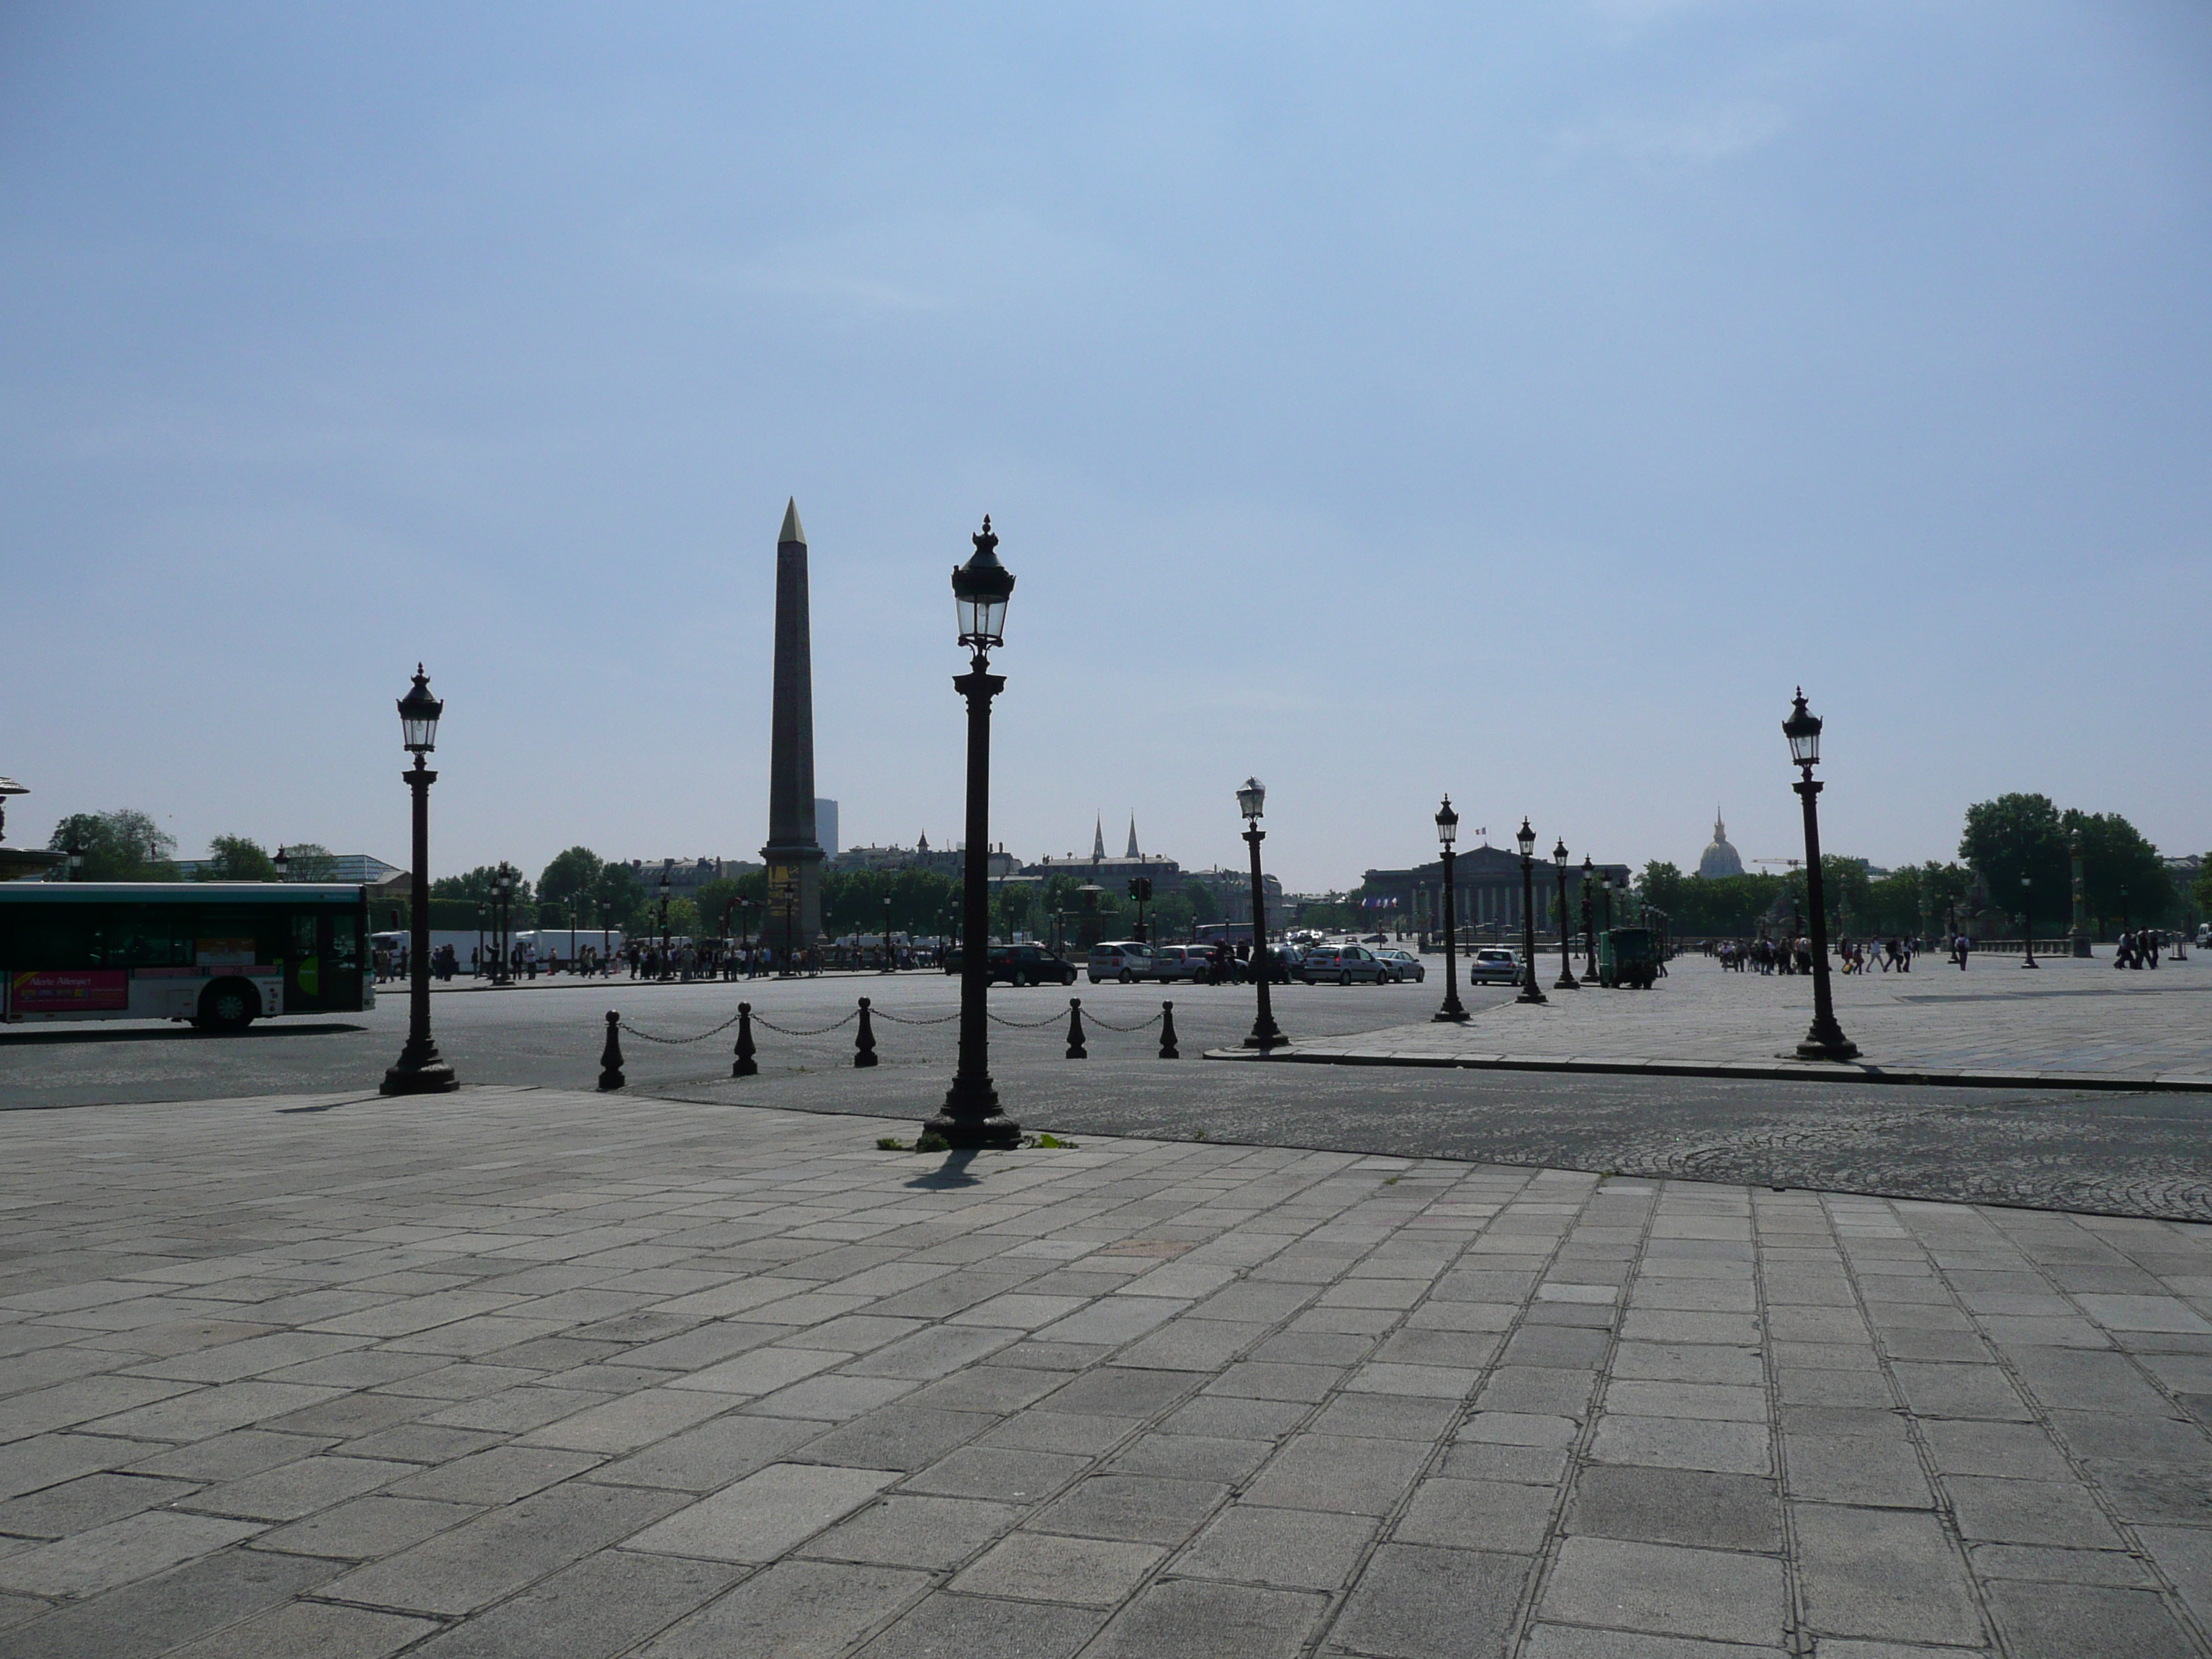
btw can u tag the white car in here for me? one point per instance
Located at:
(1403, 965)
(1342, 964)
(1493, 965)
(1125, 960)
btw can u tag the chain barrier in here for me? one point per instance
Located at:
(747, 1017)
(673, 1042)
(816, 1030)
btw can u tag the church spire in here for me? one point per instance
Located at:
(1132, 853)
(1098, 841)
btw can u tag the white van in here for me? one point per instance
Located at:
(1125, 960)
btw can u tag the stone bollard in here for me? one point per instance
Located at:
(744, 1065)
(610, 1059)
(864, 1040)
(1167, 1049)
(1075, 1049)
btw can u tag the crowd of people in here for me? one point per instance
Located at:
(2137, 949)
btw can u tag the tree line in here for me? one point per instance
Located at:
(2125, 881)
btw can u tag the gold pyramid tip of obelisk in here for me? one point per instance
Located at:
(793, 531)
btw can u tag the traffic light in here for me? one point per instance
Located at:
(1140, 889)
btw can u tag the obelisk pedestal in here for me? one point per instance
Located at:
(793, 922)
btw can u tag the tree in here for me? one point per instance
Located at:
(124, 845)
(1661, 885)
(475, 887)
(2202, 890)
(237, 857)
(309, 860)
(2122, 877)
(576, 871)
(2016, 836)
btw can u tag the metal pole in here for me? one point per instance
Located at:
(420, 1070)
(1824, 1040)
(2026, 928)
(1453, 1010)
(1566, 982)
(971, 1117)
(1266, 1034)
(1530, 991)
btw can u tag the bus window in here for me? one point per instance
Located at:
(306, 960)
(345, 943)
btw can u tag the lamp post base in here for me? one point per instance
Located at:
(972, 1120)
(1830, 1044)
(1265, 1040)
(432, 1076)
(1566, 982)
(1450, 1014)
(1532, 992)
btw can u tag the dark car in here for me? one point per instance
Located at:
(1019, 965)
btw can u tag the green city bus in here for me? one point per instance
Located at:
(219, 954)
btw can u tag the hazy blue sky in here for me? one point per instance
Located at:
(1517, 400)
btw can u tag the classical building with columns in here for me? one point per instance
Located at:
(1487, 880)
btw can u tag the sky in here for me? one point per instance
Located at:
(1518, 401)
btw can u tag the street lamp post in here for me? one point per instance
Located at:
(502, 890)
(1824, 1040)
(1251, 801)
(2026, 928)
(1566, 982)
(76, 859)
(2078, 940)
(664, 920)
(1530, 991)
(971, 1117)
(889, 965)
(1446, 833)
(1589, 935)
(283, 863)
(420, 1069)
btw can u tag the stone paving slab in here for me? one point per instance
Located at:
(619, 1376)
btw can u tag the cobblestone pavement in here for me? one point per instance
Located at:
(2071, 1016)
(524, 1373)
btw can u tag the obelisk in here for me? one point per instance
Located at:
(793, 855)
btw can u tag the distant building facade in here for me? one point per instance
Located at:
(1486, 883)
(1719, 861)
(825, 823)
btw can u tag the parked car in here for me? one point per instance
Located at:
(1403, 965)
(1376, 939)
(1126, 960)
(1019, 965)
(1343, 964)
(1184, 962)
(1493, 965)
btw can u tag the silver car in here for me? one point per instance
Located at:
(1493, 965)
(1188, 961)
(1341, 964)
(1403, 965)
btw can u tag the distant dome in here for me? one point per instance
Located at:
(1719, 861)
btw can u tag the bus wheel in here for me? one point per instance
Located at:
(228, 1005)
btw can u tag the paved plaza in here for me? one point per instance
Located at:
(530, 1372)
(2067, 1019)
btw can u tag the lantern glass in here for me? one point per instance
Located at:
(1447, 824)
(980, 588)
(1252, 798)
(1559, 853)
(1527, 839)
(1802, 728)
(418, 716)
